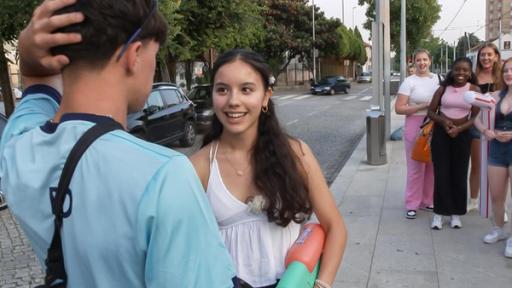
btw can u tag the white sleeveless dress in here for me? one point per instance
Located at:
(258, 248)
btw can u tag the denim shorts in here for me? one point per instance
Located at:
(475, 133)
(500, 154)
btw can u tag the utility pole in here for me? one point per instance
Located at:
(446, 58)
(441, 60)
(454, 52)
(403, 42)
(343, 11)
(314, 50)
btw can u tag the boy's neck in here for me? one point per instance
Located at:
(93, 93)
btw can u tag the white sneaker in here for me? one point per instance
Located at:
(496, 234)
(473, 205)
(455, 222)
(508, 248)
(437, 222)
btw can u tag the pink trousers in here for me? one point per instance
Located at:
(419, 188)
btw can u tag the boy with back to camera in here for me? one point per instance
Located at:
(138, 216)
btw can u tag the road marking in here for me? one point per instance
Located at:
(366, 98)
(362, 91)
(302, 97)
(350, 97)
(292, 122)
(287, 97)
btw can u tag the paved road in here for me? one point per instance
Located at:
(331, 125)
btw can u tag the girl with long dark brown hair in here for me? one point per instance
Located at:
(261, 183)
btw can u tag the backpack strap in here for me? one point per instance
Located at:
(55, 271)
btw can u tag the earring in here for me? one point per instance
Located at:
(264, 109)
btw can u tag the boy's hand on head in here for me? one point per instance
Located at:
(36, 40)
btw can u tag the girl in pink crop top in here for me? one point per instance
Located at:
(451, 143)
(453, 104)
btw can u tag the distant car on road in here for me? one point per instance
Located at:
(364, 77)
(201, 95)
(168, 116)
(331, 85)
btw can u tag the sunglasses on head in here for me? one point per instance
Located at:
(137, 32)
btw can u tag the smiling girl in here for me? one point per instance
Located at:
(488, 73)
(261, 183)
(451, 142)
(413, 101)
(500, 157)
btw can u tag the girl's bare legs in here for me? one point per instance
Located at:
(498, 180)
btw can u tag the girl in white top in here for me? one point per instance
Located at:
(261, 183)
(413, 101)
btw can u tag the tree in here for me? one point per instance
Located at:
(14, 16)
(288, 33)
(221, 25)
(462, 43)
(420, 17)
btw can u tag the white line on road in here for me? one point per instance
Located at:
(362, 91)
(292, 122)
(366, 98)
(302, 97)
(287, 97)
(350, 97)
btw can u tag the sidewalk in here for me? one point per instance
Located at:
(385, 249)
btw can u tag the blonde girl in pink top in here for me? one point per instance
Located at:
(451, 142)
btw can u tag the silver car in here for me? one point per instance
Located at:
(365, 77)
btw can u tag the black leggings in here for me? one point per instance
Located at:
(451, 160)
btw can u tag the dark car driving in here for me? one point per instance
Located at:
(201, 95)
(168, 116)
(331, 85)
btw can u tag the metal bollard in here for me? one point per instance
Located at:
(375, 137)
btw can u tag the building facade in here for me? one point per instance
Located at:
(498, 11)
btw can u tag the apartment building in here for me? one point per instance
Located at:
(498, 11)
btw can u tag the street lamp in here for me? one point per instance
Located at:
(314, 54)
(353, 23)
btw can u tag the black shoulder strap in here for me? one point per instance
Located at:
(55, 271)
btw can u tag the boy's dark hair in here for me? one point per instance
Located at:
(278, 172)
(108, 25)
(449, 80)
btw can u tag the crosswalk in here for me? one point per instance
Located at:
(285, 99)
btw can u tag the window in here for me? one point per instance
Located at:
(171, 97)
(506, 45)
(155, 100)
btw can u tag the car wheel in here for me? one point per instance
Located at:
(345, 90)
(3, 203)
(189, 135)
(332, 92)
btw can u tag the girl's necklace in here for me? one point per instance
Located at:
(238, 172)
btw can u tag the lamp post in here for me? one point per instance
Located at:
(314, 54)
(353, 23)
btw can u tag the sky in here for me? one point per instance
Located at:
(472, 9)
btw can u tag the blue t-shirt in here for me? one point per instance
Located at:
(139, 217)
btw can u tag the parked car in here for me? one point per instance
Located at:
(331, 85)
(3, 121)
(201, 95)
(364, 77)
(168, 116)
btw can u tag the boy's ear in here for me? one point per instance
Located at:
(132, 55)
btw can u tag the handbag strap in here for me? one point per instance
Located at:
(55, 271)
